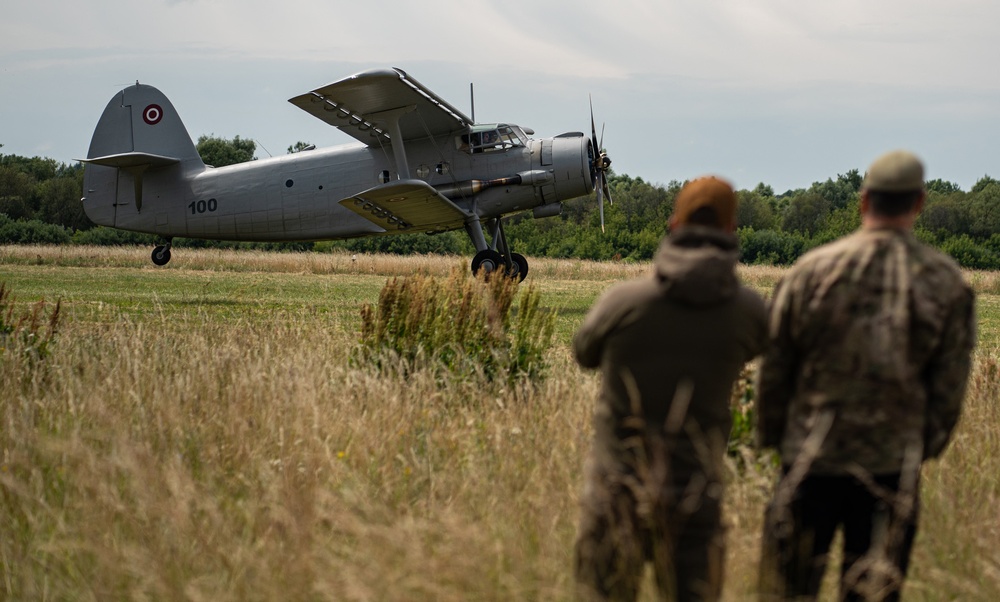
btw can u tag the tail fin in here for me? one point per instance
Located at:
(139, 131)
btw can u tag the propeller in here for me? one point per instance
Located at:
(600, 165)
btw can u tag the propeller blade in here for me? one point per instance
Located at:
(593, 131)
(600, 204)
(600, 165)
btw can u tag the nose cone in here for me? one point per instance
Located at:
(571, 167)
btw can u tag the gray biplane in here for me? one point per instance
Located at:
(423, 166)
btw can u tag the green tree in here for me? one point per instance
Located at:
(843, 220)
(806, 213)
(984, 208)
(755, 211)
(764, 190)
(983, 183)
(59, 202)
(945, 214)
(840, 192)
(941, 187)
(16, 193)
(219, 152)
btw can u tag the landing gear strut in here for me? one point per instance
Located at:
(496, 256)
(161, 254)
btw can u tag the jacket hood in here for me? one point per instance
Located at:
(696, 265)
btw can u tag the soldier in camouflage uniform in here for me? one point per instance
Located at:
(669, 347)
(871, 338)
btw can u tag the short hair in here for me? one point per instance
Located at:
(893, 203)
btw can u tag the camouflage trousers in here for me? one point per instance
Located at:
(623, 526)
(879, 523)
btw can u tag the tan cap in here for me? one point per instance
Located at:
(895, 171)
(708, 191)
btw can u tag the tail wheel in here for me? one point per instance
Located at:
(161, 255)
(487, 260)
(518, 267)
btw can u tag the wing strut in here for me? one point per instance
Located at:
(390, 119)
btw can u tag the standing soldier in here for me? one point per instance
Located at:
(669, 347)
(871, 338)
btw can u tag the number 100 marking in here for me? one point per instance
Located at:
(208, 206)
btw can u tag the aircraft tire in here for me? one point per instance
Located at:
(488, 260)
(519, 267)
(161, 255)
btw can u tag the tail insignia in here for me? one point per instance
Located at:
(152, 114)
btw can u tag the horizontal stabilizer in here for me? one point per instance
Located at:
(407, 205)
(130, 160)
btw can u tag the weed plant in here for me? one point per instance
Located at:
(460, 325)
(30, 333)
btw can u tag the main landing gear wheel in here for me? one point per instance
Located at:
(488, 260)
(518, 267)
(161, 255)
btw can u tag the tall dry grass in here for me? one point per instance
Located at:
(248, 462)
(336, 262)
(193, 458)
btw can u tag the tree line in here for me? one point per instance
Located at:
(40, 203)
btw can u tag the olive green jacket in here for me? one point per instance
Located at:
(669, 347)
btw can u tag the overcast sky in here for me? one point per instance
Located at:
(783, 92)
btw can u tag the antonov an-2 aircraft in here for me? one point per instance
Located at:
(423, 166)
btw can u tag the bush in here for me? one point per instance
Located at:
(112, 236)
(31, 232)
(461, 326)
(770, 247)
(970, 254)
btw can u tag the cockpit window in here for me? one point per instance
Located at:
(491, 138)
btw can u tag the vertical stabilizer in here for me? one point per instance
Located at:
(138, 136)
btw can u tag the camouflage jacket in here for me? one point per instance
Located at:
(669, 347)
(871, 338)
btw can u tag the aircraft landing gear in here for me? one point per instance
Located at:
(487, 260)
(496, 256)
(518, 267)
(161, 254)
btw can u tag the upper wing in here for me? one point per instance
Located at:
(356, 105)
(406, 205)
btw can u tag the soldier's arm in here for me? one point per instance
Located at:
(604, 318)
(588, 342)
(946, 375)
(776, 377)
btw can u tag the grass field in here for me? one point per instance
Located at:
(198, 433)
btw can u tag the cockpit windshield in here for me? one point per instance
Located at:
(491, 138)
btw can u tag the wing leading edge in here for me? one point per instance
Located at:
(363, 105)
(407, 205)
